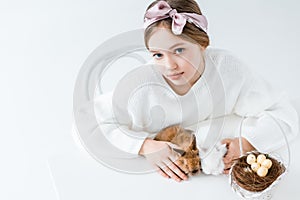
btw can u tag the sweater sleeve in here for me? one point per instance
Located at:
(266, 113)
(111, 124)
(115, 124)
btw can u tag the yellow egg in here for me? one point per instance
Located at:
(267, 163)
(251, 159)
(260, 158)
(262, 171)
(255, 166)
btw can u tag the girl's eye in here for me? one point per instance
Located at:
(179, 51)
(157, 55)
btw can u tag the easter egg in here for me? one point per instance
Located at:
(267, 163)
(255, 166)
(262, 171)
(260, 158)
(251, 159)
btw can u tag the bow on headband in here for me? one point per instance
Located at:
(163, 10)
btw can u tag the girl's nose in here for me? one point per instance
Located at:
(170, 63)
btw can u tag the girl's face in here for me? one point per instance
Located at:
(181, 62)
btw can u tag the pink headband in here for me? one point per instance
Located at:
(163, 10)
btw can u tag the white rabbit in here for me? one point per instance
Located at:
(212, 159)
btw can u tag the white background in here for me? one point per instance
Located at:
(42, 47)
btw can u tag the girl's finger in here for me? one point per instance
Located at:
(228, 157)
(227, 166)
(226, 171)
(161, 172)
(170, 173)
(172, 166)
(227, 162)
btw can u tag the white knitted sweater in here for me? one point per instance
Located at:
(143, 103)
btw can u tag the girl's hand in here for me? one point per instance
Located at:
(163, 158)
(233, 151)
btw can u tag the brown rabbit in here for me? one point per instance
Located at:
(189, 162)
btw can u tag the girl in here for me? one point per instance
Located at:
(190, 83)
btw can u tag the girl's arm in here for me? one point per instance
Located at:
(116, 139)
(266, 112)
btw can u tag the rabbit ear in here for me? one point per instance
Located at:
(180, 151)
(177, 149)
(220, 146)
(189, 131)
(194, 143)
(223, 149)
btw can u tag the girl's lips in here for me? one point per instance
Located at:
(175, 76)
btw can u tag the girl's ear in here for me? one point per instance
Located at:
(202, 48)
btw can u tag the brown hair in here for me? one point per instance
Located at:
(190, 31)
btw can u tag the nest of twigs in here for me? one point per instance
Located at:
(246, 178)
